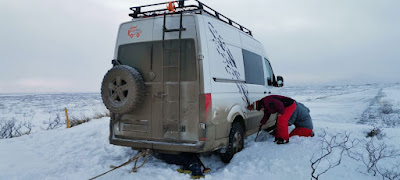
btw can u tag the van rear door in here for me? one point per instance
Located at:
(170, 111)
(178, 115)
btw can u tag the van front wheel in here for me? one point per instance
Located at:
(236, 142)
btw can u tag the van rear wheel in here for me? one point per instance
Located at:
(236, 142)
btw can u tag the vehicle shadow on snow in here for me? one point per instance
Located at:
(159, 169)
(155, 166)
(213, 161)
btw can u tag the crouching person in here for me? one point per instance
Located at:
(302, 121)
(289, 112)
(189, 162)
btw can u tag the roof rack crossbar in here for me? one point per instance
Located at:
(216, 14)
(183, 7)
(161, 12)
(200, 5)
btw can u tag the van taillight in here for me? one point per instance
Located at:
(205, 107)
(207, 104)
(205, 115)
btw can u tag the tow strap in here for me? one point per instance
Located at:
(144, 153)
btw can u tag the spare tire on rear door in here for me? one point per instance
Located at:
(122, 89)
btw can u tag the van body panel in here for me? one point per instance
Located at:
(204, 62)
(135, 31)
(172, 22)
(251, 44)
(256, 92)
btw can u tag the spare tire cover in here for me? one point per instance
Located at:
(122, 89)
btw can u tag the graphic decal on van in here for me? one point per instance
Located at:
(224, 51)
(229, 61)
(243, 90)
(134, 31)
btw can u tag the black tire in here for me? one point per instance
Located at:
(236, 142)
(122, 89)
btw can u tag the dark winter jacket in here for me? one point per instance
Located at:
(274, 104)
(301, 117)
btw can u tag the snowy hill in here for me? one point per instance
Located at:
(83, 151)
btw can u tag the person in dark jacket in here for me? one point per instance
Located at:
(289, 112)
(302, 121)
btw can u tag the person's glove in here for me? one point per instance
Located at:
(250, 107)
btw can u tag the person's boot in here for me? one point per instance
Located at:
(281, 141)
(196, 171)
(184, 170)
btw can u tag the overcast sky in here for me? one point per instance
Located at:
(67, 46)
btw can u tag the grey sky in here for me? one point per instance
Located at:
(66, 46)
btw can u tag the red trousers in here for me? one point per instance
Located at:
(300, 131)
(282, 129)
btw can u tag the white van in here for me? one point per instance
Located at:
(182, 79)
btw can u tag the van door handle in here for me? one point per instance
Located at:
(159, 95)
(265, 92)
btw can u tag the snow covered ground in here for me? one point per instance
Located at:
(40, 109)
(84, 151)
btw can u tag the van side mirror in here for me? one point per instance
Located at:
(269, 82)
(279, 80)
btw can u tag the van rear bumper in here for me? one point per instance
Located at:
(196, 147)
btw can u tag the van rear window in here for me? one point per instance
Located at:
(149, 57)
(253, 68)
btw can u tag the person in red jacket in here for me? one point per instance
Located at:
(289, 112)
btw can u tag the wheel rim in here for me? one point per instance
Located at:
(237, 142)
(118, 89)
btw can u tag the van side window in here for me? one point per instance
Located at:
(268, 75)
(253, 68)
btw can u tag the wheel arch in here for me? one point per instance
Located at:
(236, 115)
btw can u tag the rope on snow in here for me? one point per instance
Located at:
(144, 153)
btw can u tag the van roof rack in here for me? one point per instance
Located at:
(184, 6)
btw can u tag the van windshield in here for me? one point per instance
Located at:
(149, 57)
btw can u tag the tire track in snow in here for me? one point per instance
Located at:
(343, 108)
(370, 109)
(380, 112)
(333, 95)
